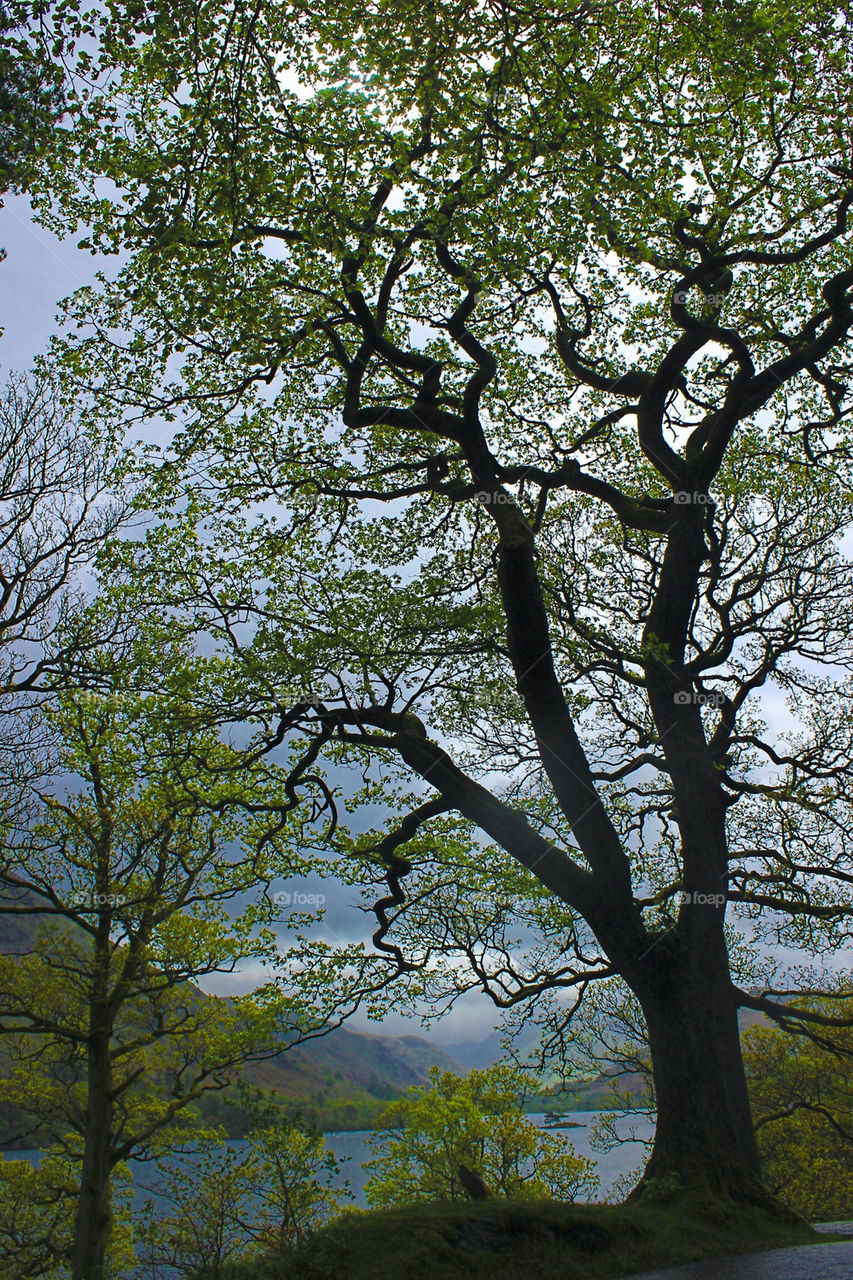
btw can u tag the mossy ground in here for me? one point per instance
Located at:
(515, 1240)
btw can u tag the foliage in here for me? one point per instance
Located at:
(802, 1096)
(506, 351)
(592, 251)
(229, 1202)
(473, 1122)
(37, 1204)
(36, 1217)
(289, 1177)
(31, 88)
(208, 1198)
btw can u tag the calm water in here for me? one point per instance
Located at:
(351, 1149)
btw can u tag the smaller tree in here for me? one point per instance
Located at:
(440, 1143)
(208, 1201)
(801, 1089)
(147, 830)
(229, 1202)
(291, 1172)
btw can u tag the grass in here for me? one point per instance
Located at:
(517, 1240)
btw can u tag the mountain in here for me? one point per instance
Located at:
(475, 1055)
(382, 1065)
(341, 1080)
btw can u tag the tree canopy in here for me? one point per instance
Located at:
(507, 348)
(465, 1136)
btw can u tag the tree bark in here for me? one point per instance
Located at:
(93, 1219)
(705, 1152)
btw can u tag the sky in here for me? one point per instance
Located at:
(38, 271)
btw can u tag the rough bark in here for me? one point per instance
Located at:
(704, 1148)
(94, 1212)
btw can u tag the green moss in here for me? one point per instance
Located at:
(514, 1240)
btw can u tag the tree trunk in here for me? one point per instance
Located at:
(705, 1152)
(94, 1212)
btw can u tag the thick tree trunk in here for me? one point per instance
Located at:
(705, 1153)
(94, 1214)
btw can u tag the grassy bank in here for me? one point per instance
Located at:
(514, 1240)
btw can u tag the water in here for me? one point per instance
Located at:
(352, 1148)
(611, 1165)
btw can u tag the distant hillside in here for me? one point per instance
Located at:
(18, 928)
(381, 1065)
(342, 1080)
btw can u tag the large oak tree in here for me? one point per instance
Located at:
(510, 345)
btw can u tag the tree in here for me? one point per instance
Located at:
(468, 1137)
(799, 1079)
(37, 1210)
(59, 504)
(31, 88)
(228, 1204)
(801, 1096)
(510, 346)
(207, 1193)
(291, 1171)
(131, 841)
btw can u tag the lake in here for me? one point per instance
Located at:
(351, 1149)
